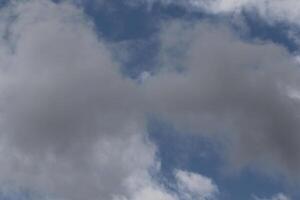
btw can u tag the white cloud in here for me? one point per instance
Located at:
(279, 196)
(189, 186)
(270, 10)
(195, 186)
(152, 192)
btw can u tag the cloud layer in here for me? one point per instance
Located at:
(74, 127)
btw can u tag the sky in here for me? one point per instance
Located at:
(149, 99)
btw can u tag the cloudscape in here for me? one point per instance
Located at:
(149, 100)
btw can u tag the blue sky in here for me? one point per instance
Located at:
(56, 125)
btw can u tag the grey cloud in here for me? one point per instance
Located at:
(62, 80)
(238, 91)
(71, 124)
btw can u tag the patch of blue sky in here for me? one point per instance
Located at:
(182, 151)
(3, 2)
(199, 154)
(118, 21)
(20, 194)
(276, 32)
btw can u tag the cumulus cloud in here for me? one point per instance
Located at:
(213, 82)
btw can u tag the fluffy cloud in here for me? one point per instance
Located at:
(213, 82)
(188, 186)
(195, 186)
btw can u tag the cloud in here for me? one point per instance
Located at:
(53, 56)
(150, 191)
(270, 10)
(213, 82)
(195, 186)
(188, 186)
(71, 124)
(279, 196)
